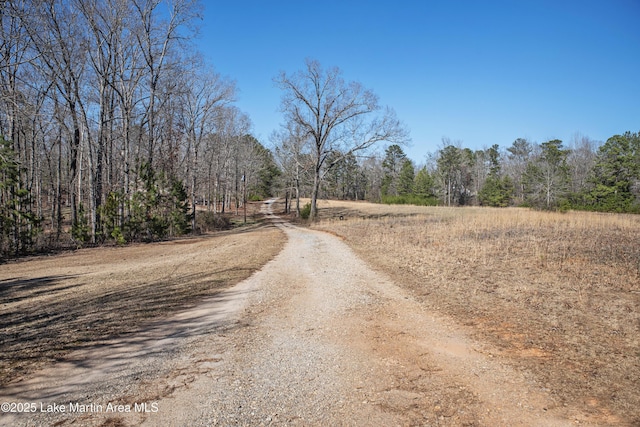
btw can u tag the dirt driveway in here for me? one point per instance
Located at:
(314, 338)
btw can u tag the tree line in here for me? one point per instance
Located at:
(113, 127)
(583, 175)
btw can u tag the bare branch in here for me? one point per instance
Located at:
(340, 117)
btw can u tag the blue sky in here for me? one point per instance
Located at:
(479, 72)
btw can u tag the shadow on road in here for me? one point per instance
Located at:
(45, 318)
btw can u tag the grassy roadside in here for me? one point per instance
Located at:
(557, 295)
(54, 305)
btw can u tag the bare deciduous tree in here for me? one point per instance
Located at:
(581, 159)
(205, 95)
(156, 38)
(338, 116)
(59, 38)
(291, 150)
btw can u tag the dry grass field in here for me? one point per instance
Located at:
(52, 305)
(557, 295)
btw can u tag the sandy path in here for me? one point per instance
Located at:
(314, 338)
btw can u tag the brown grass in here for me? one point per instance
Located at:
(557, 294)
(54, 305)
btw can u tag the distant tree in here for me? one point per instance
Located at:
(392, 164)
(497, 190)
(262, 171)
(203, 98)
(227, 152)
(423, 184)
(581, 161)
(345, 179)
(406, 178)
(466, 184)
(337, 116)
(616, 175)
(291, 149)
(520, 154)
(358, 180)
(449, 171)
(373, 176)
(493, 155)
(480, 169)
(547, 177)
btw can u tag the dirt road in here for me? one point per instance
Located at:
(314, 338)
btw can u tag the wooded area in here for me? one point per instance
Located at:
(584, 175)
(114, 128)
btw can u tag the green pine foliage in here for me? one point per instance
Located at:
(158, 210)
(410, 199)
(81, 230)
(305, 212)
(177, 208)
(418, 192)
(267, 174)
(615, 177)
(406, 178)
(497, 192)
(394, 161)
(19, 225)
(423, 184)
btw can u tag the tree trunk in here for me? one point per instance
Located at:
(73, 166)
(297, 188)
(193, 191)
(314, 194)
(59, 191)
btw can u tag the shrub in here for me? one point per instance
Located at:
(209, 221)
(305, 211)
(117, 235)
(410, 199)
(81, 229)
(496, 192)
